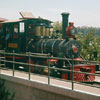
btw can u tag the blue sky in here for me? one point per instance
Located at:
(82, 12)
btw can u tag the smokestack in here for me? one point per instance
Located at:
(64, 24)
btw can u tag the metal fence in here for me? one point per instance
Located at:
(29, 55)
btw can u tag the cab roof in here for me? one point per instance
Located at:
(3, 19)
(33, 19)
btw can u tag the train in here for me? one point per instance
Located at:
(36, 35)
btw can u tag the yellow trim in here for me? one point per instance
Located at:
(13, 45)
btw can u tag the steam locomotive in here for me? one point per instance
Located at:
(36, 35)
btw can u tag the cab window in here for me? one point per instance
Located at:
(22, 29)
(8, 31)
(31, 28)
(16, 28)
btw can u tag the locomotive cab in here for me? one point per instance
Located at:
(18, 34)
(14, 32)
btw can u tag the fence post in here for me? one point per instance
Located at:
(13, 63)
(49, 69)
(72, 73)
(5, 57)
(29, 64)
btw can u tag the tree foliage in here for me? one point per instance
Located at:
(86, 30)
(90, 45)
(4, 92)
(57, 26)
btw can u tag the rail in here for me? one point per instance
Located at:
(29, 56)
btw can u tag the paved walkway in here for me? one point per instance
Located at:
(55, 82)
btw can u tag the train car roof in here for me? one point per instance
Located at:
(3, 19)
(40, 19)
(21, 19)
(12, 21)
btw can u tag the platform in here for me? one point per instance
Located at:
(54, 82)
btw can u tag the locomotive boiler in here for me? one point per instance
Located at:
(55, 47)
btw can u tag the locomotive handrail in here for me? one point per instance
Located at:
(23, 54)
(39, 55)
(42, 54)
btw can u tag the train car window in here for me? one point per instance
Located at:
(22, 29)
(16, 28)
(31, 28)
(8, 29)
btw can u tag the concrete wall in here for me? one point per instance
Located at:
(31, 90)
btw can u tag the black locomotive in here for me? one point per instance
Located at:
(36, 35)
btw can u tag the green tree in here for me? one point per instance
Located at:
(90, 45)
(57, 27)
(4, 92)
